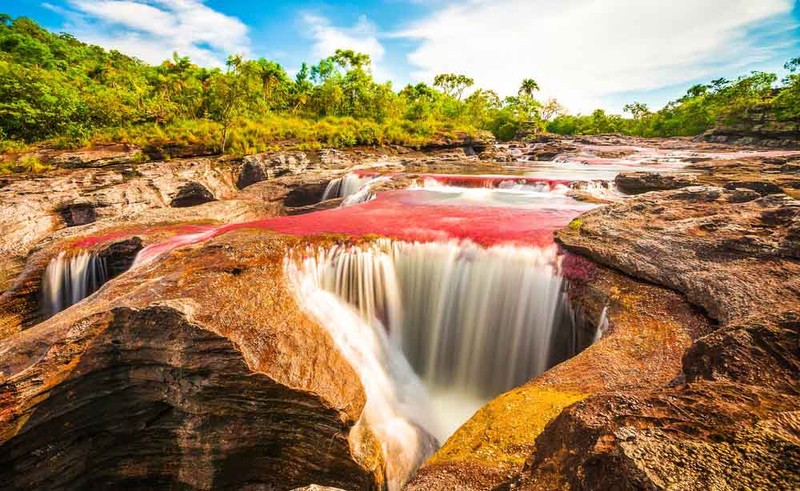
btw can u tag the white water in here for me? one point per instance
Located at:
(397, 409)
(69, 279)
(472, 321)
(353, 188)
(344, 186)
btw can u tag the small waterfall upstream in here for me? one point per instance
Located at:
(344, 186)
(353, 188)
(69, 279)
(471, 321)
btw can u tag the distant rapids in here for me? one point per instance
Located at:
(472, 321)
(69, 279)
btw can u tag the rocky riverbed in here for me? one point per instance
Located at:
(199, 365)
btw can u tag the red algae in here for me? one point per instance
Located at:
(92, 241)
(406, 215)
(492, 181)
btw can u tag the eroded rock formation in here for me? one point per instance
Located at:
(152, 388)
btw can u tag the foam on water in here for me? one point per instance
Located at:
(472, 321)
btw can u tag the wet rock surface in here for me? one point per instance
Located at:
(155, 390)
(199, 371)
(729, 418)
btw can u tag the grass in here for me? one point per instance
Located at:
(26, 165)
(275, 132)
(271, 133)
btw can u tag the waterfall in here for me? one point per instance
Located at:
(397, 409)
(353, 188)
(472, 321)
(344, 186)
(476, 318)
(68, 279)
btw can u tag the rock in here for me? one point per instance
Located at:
(191, 194)
(758, 127)
(99, 156)
(259, 167)
(763, 188)
(699, 436)
(77, 213)
(729, 418)
(305, 194)
(649, 329)
(742, 195)
(643, 182)
(160, 380)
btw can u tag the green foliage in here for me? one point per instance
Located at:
(57, 89)
(719, 102)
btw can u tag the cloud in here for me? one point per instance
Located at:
(584, 51)
(153, 29)
(362, 37)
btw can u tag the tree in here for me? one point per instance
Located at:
(230, 90)
(273, 80)
(452, 84)
(528, 88)
(351, 60)
(551, 110)
(636, 109)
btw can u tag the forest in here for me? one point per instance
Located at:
(57, 90)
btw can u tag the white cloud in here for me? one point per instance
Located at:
(153, 29)
(583, 51)
(362, 37)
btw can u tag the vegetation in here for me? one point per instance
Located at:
(58, 90)
(722, 101)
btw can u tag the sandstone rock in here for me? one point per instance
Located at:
(160, 380)
(649, 329)
(729, 419)
(78, 213)
(742, 195)
(643, 182)
(100, 156)
(259, 167)
(699, 436)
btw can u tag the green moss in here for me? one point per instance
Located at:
(503, 431)
(576, 224)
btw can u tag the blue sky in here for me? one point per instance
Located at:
(586, 53)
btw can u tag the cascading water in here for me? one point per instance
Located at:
(472, 321)
(69, 279)
(344, 186)
(354, 188)
(396, 409)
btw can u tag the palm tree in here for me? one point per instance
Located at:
(528, 87)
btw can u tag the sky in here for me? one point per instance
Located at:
(586, 53)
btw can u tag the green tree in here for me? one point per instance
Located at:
(452, 84)
(528, 87)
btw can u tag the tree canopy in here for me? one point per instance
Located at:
(58, 89)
